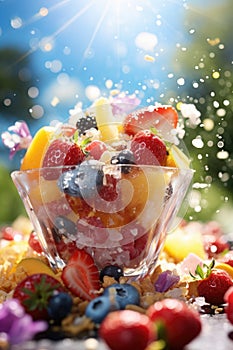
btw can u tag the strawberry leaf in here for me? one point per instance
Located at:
(202, 272)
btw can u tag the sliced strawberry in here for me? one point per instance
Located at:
(148, 149)
(61, 153)
(81, 276)
(96, 148)
(160, 117)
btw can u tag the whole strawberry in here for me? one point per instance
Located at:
(228, 298)
(214, 287)
(61, 153)
(126, 330)
(34, 293)
(212, 283)
(148, 149)
(177, 323)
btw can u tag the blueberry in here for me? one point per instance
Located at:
(67, 183)
(59, 306)
(112, 271)
(82, 181)
(124, 157)
(64, 226)
(98, 308)
(125, 294)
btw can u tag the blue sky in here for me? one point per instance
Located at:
(82, 48)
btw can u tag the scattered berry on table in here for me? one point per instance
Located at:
(126, 330)
(59, 306)
(86, 122)
(214, 287)
(81, 276)
(10, 234)
(228, 298)
(215, 245)
(99, 308)
(34, 293)
(34, 242)
(148, 149)
(227, 258)
(125, 294)
(112, 271)
(177, 323)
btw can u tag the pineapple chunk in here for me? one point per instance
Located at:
(179, 158)
(105, 120)
(182, 242)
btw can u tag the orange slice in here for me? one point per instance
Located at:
(225, 267)
(35, 151)
(34, 265)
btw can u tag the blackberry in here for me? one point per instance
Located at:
(124, 157)
(86, 122)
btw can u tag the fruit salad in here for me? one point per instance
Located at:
(108, 184)
(101, 191)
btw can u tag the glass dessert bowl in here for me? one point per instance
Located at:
(110, 182)
(118, 213)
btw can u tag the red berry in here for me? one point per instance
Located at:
(215, 246)
(96, 148)
(34, 293)
(61, 153)
(161, 117)
(127, 329)
(180, 324)
(81, 276)
(34, 242)
(214, 287)
(9, 233)
(148, 149)
(228, 298)
(227, 258)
